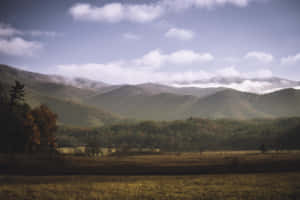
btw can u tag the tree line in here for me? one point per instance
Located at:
(24, 129)
(194, 134)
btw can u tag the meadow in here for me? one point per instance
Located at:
(267, 186)
(153, 164)
(163, 176)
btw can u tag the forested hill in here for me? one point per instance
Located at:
(61, 97)
(85, 103)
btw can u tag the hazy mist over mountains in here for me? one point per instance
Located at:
(252, 85)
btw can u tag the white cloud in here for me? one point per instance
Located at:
(143, 13)
(131, 36)
(245, 86)
(7, 30)
(180, 34)
(150, 68)
(155, 59)
(143, 69)
(290, 59)
(263, 73)
(260, 56)
(110, 12)
(233, 72)
(13, 43)
(185, 4)
(188, 57)
(229, 72)
(37, 33)
(119, 73)
(117, 12)
(19, 47)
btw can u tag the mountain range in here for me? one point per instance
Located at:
(261, 85)
(84, 103)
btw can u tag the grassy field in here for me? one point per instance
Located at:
(169, 176)
(156, 164)
(268, 186)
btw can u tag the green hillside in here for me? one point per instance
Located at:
(228, 104)
(43, 84)
(223, 104)
(135, 102)
(64, 100)
(91, 103)
(283, 103)
(74, 114)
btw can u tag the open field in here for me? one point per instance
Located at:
(268, 186)
(157, 164)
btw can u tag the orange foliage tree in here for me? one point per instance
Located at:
(32, 133)
(45, 120)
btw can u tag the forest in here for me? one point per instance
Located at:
(191, 135)
(25, 129)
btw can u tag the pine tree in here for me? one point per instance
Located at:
(17, 94)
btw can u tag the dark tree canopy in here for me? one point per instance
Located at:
(24, 129)
(195, 135)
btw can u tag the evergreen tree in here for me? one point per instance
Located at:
(17, 94)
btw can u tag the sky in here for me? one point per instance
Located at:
(137, 41)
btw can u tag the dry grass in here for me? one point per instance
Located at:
(281, 186)
(158, 164)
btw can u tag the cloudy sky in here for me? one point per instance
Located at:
(135, 41)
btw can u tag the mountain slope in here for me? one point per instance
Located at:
(46, 85)
(134, 102)
(64, 100)
(283, 103)
(228, 104)
(84, 105)
(74, 114)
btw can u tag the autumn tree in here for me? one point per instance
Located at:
(45, 120)
(32, 133)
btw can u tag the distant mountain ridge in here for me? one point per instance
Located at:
(82, 102)
(254, 85)
(222, 104)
